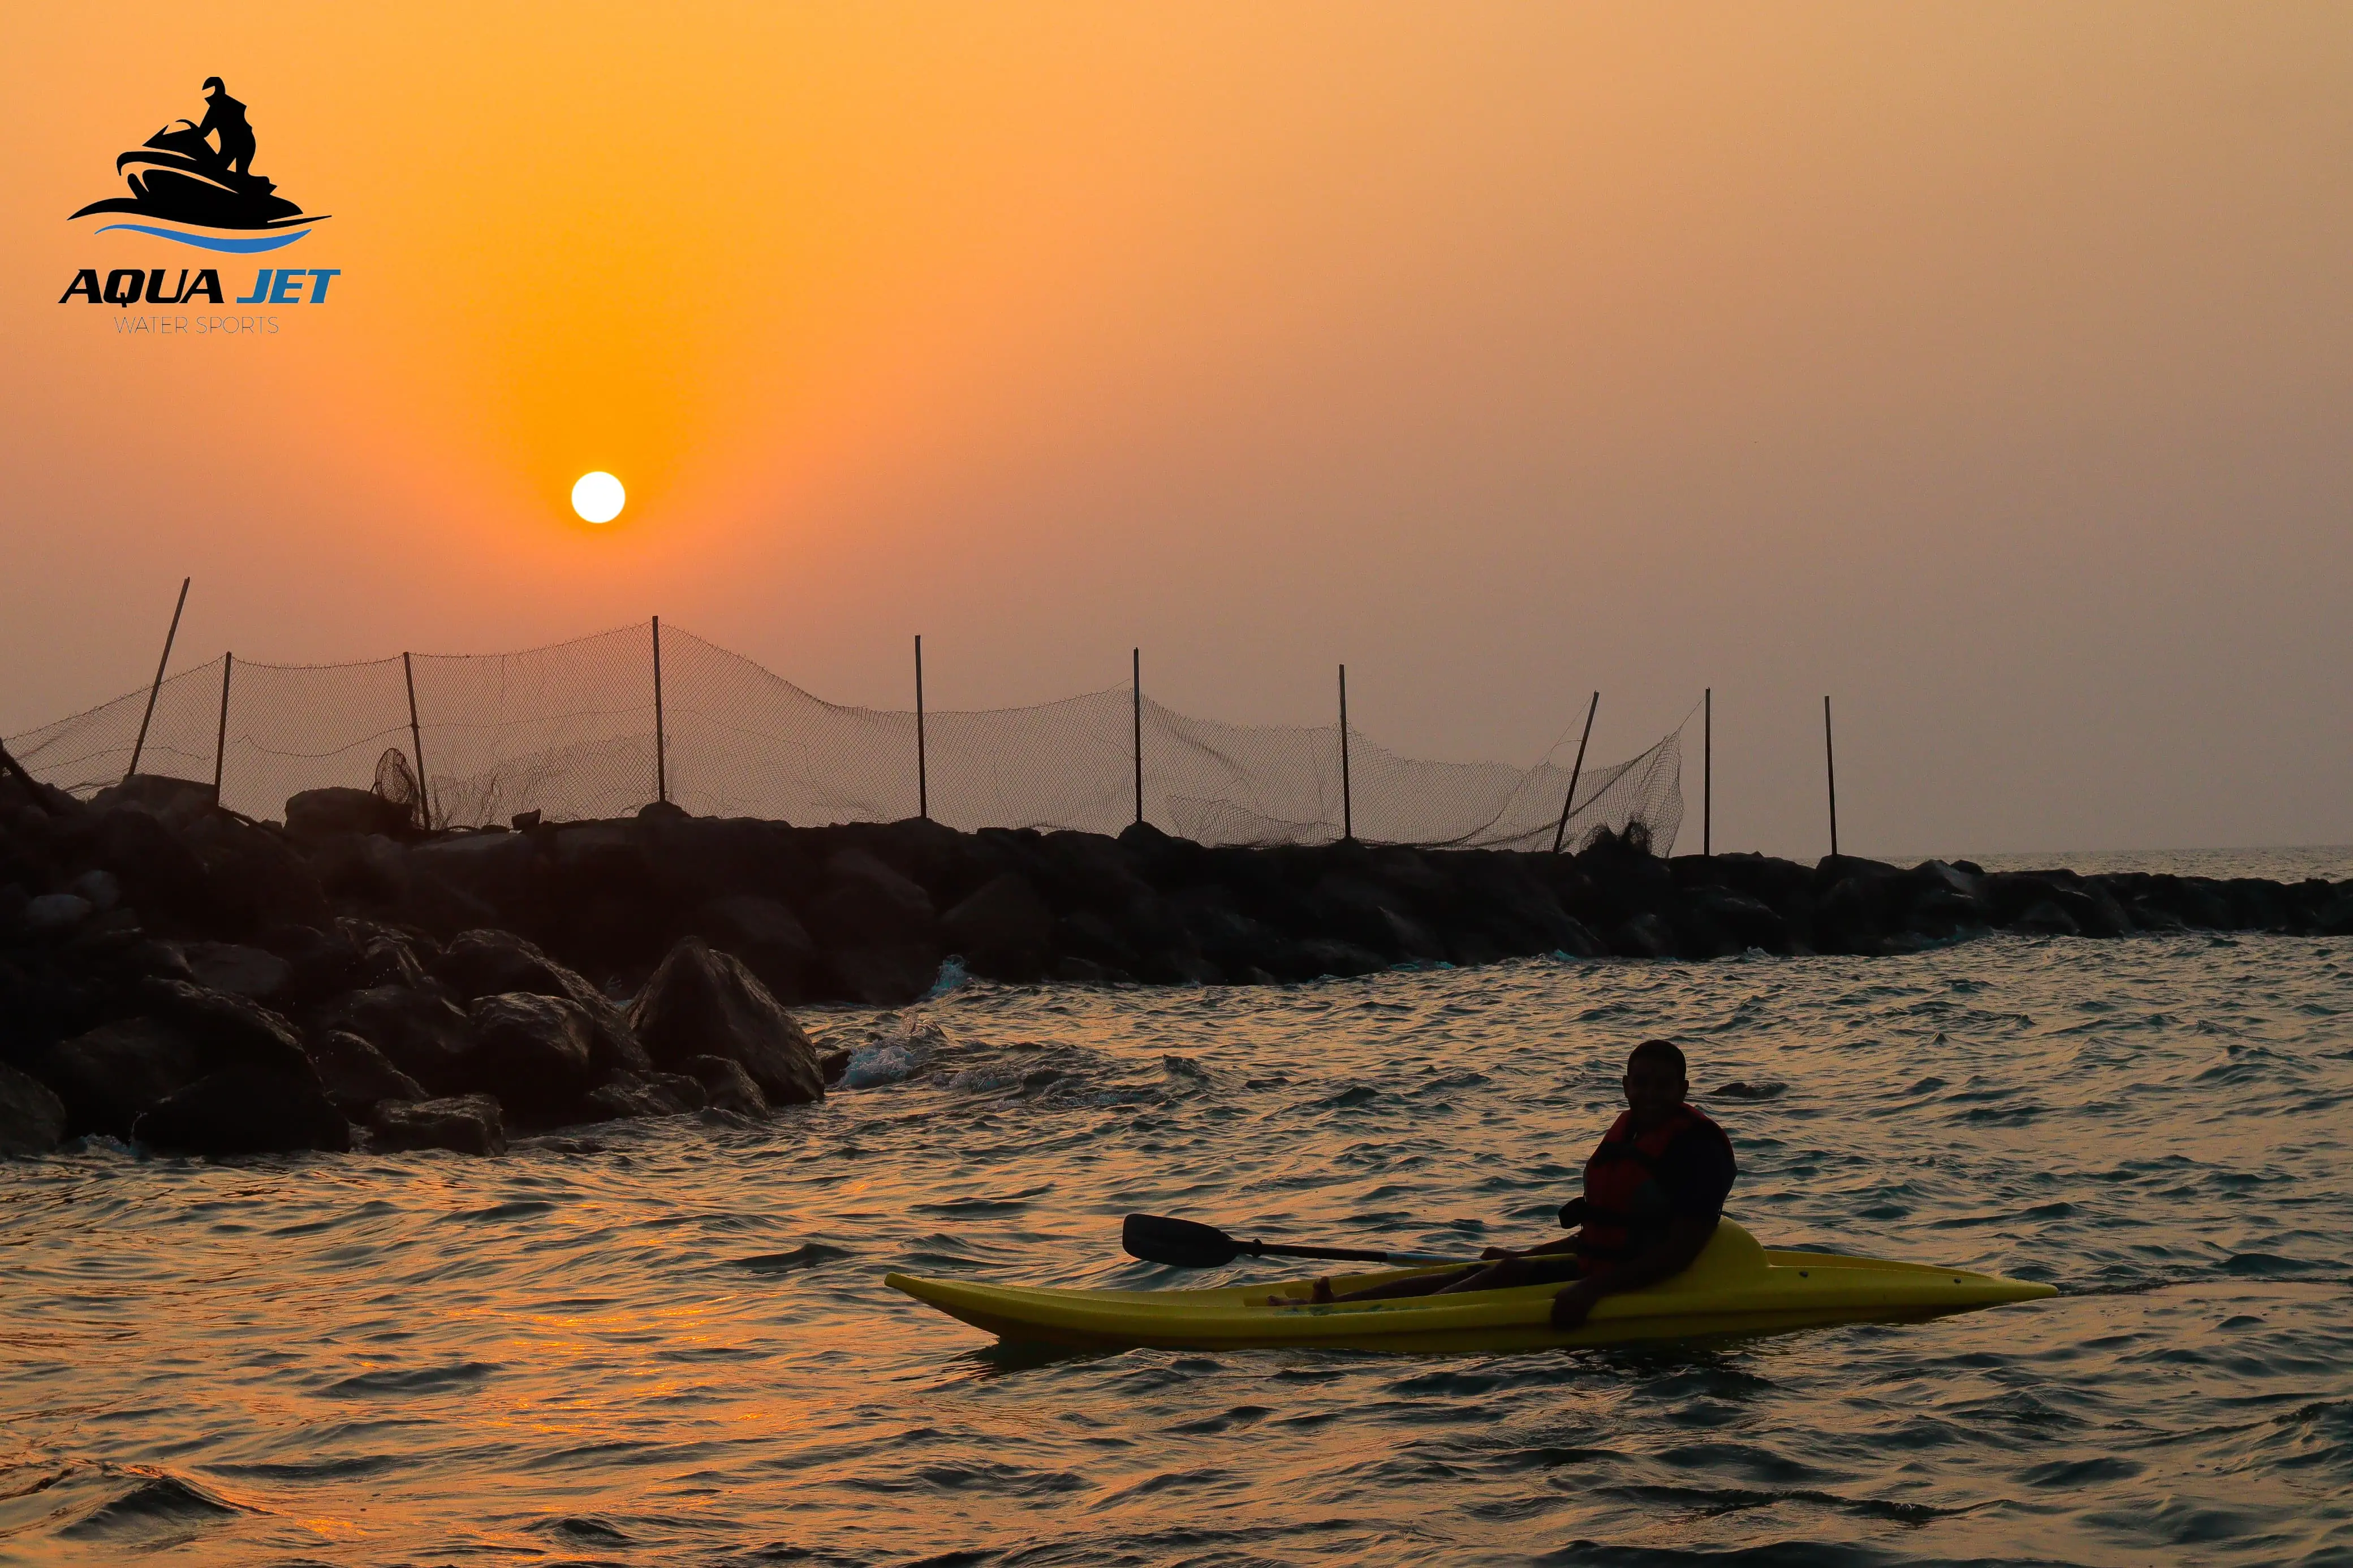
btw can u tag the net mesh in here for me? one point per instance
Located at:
(570, 729)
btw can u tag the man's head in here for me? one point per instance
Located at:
(1655, 1082)
(213, 84)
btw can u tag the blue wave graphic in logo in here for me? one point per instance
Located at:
(212, 241)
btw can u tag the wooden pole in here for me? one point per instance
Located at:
(1347, 799)
(417, 745)
(1568, 802)
(1829, 764)
(154, 691)
(661, 735)
(1136, 667)
(923, 753)
(220, 736)
(1707, 774)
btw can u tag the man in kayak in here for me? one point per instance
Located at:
(1654, 1190)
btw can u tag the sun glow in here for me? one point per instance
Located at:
(598, 496)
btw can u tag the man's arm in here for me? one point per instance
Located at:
(1687, 1237)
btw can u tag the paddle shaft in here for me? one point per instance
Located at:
(1346, 1253)
(1188, 1244)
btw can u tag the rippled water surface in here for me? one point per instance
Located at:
(668, 1342)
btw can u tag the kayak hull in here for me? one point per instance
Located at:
(1735, 1288)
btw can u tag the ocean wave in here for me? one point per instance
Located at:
(673, 1343)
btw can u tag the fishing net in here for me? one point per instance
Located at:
(570, 730)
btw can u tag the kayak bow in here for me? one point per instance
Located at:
(1735, 1286)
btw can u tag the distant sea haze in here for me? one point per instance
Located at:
(2329, 862)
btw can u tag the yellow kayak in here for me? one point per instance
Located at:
(1735, 1286)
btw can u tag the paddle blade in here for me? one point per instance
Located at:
(1179, 1243)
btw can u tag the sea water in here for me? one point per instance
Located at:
(668, 1342)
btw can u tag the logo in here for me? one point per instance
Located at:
(197, 174)
(191, 177)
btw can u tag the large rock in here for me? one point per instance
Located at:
(727, 1087)
(161, 793)
(484, 962)
(357, 1077)
(321, 813)
(368, 869)
(533, 1052)
(51, 913)
(702, 860)
(244, 1111)
(656, 1094)
(2335, 916)
(159, 875)
(32, 1118)
(469, 1124)
(1324, 957)
(478, 963)
(2045, 918)
(1858, 903)
(248, 971)
(256, 877)
(1941, 900)
(1375, 918)
(1238, 944)
(704, 1004)
(227, 1030)
(1495, 895)
(1092, 937)
(2089, 909)
(877, 931)
(766, 936)
(110, 1075)
(417, 1027)
(346, 954)
(1728, 922)
(1644, 936)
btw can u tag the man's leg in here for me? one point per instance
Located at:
(1420, 1285)
(1505, 1273)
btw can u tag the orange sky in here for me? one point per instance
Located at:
(1986, 365)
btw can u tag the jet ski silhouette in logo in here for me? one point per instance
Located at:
(179, 175)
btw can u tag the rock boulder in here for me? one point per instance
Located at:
(877, 931)
(656, 1094)
(766, 936)
(248, 971)
(417, 1027)
(533, 1054)
(1004, 930)
(316, 815)
(244, 1111)
(110, 1075)
(478, 963)
(32, 1118)
(704, 1004)
(357, 1077)
(469, 1124)
(727, 1087)
(226, 1030)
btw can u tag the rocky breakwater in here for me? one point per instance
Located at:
(178, 975)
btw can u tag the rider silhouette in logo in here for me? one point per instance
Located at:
(179, 175)
(225, 117)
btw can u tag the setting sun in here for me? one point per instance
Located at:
(598, 496)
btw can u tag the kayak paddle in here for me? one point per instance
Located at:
(1185, 1244)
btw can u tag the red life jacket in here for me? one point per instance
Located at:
(1612, 1232)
